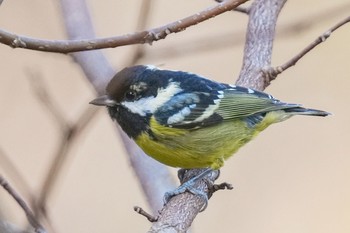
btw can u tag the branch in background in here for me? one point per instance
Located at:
(259, 39)
(154, 177)
(15, 174)
(68, 132)
(148, 36)
(271, 73)
(29, 214)
(6, 227)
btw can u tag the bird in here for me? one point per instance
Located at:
(187, 121)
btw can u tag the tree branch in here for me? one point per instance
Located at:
(142, 21)
(16, 175)
(148, 36)
(29, 214)
(240, 9)
(6, 227)
(142, 212)
(223, 40)
(272, 72)
(259, 40)
(178, 214)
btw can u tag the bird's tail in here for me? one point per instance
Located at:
(306, 111)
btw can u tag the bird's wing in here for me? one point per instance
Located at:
(244, 102)
(199, 109)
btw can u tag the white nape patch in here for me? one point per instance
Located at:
(151, 67)
(151, 104)
(250, 91)
(233, 86)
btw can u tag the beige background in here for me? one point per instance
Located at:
(294, 177)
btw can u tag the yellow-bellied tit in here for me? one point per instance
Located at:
(184, 120)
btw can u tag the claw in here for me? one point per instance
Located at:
(188, 186)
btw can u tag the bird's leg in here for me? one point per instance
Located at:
(189, 186)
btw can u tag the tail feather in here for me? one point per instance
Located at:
(307, 111)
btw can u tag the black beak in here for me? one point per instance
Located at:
(103, 100)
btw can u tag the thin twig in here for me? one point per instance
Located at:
(142, 212)
(13, 171)
(30, 216)
(221, 186)
(271, 73)
(148, 36)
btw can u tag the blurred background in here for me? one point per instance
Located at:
(294, 177)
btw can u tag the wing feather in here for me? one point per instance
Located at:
(204, 108)
(237, 104)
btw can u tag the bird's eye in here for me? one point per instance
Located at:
(130, 95)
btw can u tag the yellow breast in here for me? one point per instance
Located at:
(198, 148)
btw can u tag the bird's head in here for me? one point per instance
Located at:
(139, 90)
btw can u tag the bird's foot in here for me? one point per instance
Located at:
(189, 186)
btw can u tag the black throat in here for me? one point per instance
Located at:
(132, 124)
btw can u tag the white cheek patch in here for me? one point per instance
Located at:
(140, 106)
(150, 104)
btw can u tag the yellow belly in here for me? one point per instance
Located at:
(203, 147)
